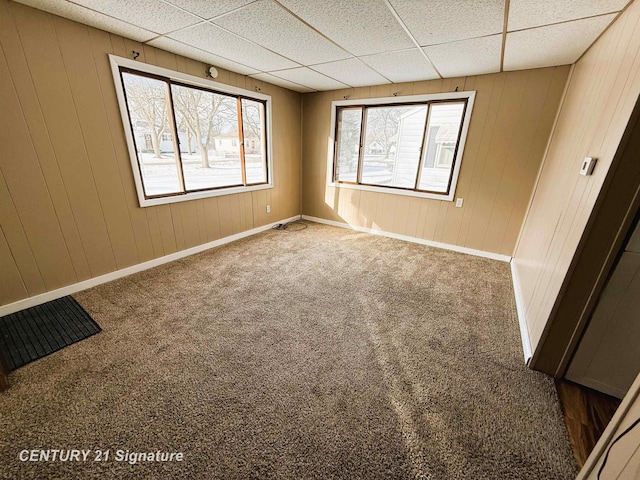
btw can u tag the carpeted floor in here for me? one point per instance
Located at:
(324, 353)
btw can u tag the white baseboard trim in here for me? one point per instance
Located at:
(524, 331)
(92, 282)
(406, 238)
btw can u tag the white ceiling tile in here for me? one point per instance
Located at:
(403, 66)
(268, 24)
(360, 28)
(192, 52)
(91, 18)
(352, 72)
(215, 40)
(558, 44)
(527, 14)
(267, 77)
(461, 37)
(433, 22)
(209, 9)
(156, 16)
(309, 78)
(467, 57)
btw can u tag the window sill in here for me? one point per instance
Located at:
(148, 202)
(394, 191)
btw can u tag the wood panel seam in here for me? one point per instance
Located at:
(86, 151)
(39, 167)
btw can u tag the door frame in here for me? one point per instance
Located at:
(593, 261)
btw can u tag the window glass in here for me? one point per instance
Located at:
(349, 123)
(191, 138)
(392, 145)
(207, 124)
(255, 145)
(412, 146)
(443, 130)
(148, 105)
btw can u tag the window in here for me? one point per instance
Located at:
(187, 135)
(407, 145)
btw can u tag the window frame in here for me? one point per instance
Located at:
(467, 96)
(190, 81)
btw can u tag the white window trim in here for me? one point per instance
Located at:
(117, 62)
(469, 95)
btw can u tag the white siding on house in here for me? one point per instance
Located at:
(410, 132)
(443, 130)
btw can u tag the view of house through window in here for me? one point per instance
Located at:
(254, 140)
(149, 113)
(190, 139)
(409, 146)
(348, 144)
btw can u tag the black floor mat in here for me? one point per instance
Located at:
(38, 331)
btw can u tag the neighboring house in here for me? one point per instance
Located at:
(445, 144)
(229, 144)
(410, 131)
(142, 135)
(166, 142)
(226, 143)
(376, 148)
(252, 144)
(440, 142)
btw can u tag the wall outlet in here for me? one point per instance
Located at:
(588, 164)
(268, 208)
(459, 202)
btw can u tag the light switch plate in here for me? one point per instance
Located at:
(588, 164)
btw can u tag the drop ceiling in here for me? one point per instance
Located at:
(309, 45)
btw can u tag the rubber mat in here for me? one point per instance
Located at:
(38, 331)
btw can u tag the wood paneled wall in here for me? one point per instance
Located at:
(510, 126)
(599, 101)
(68, 207)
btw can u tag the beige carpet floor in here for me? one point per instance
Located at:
(324, 353)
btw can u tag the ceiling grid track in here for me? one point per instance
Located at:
(505, 28)
(330, 40)
(413, 39)
(309, 46)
